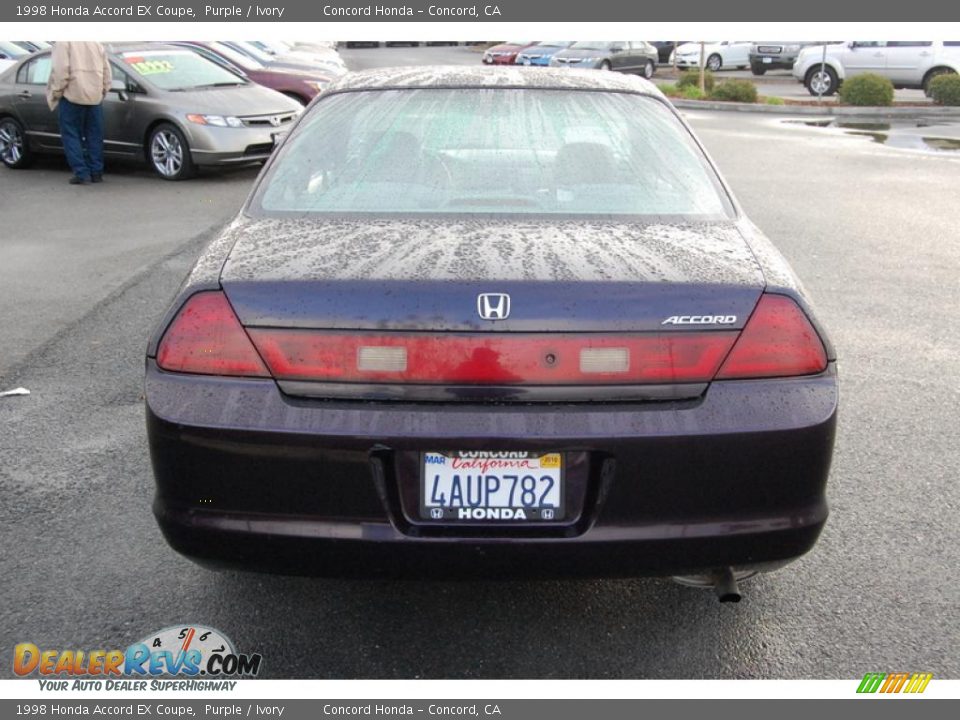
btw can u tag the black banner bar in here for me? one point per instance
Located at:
(619, 11)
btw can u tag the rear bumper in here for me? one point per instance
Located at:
(248, 477)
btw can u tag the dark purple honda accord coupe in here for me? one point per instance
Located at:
(496, 322)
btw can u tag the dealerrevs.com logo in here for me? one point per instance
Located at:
(892, 683)
(189, 652)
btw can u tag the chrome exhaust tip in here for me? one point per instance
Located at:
(724, 582)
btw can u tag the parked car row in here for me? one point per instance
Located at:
(633, 56)
(906, 63)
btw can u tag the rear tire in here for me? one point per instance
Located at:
(14, 146)
(828, 80)
(169, 154)
(648, 69)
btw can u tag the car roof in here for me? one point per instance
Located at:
(459, 76)
(125, 47)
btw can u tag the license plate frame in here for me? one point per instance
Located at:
(484, 513)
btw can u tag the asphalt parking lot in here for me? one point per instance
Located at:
(86, 271)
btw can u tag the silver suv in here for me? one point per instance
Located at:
(907, 63)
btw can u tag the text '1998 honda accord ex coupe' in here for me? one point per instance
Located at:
(492, 321)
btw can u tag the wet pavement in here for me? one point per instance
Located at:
(923, 135)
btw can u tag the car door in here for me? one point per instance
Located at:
(861, 57)
(121, 136)
(736, 54)
(30, 102)
(621, 56)
(908, 61)
(634, 59)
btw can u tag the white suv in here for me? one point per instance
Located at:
(907, 63)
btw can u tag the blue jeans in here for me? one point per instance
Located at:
(81, 128)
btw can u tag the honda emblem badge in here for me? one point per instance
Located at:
(493, 306)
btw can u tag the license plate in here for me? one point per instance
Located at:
(768, 60)
(278, 137)
(526, 61)
(471, 487)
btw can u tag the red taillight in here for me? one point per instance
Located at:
(778, 341)
(206, 338)
(489, 359)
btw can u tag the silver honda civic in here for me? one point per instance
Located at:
(168, 106)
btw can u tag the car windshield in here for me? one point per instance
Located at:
(506, 151)
(178, 69)
(12, 49)
(245, 62)
(594, 45)
(252, 51)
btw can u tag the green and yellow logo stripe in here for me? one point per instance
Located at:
(895, 682)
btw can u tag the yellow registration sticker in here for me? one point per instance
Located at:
(151, 67)
(550, 461)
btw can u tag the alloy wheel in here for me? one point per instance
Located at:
(820, 83)
(11, 143)
(166, 151)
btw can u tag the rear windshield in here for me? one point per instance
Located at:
(504, 151)
(178, 69)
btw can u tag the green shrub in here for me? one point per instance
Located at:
(668, 89)
(867, 89)
(735, 91)
(945, 89)
(690, 78)
(692, 92)
(774, 101)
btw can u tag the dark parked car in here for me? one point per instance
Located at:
(774, 55)
(546, 343)
(298, 84)
(632, 56)
(168, 105)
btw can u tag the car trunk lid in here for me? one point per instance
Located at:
(429, 274)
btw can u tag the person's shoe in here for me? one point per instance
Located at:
(77, 180)
(96, 177)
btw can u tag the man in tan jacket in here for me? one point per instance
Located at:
(79, 80)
